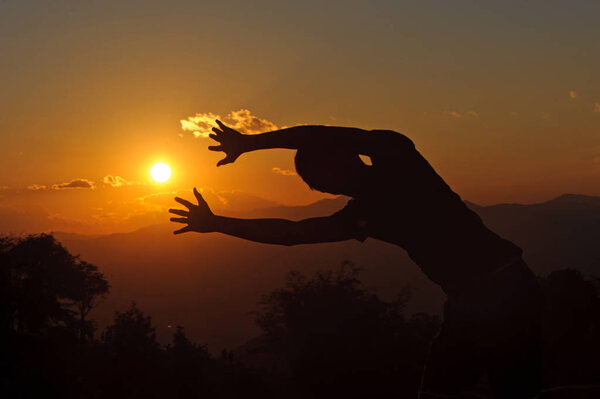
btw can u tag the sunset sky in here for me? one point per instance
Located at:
(503, 98)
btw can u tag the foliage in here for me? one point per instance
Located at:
(44, 286)
(342, 340)
(132, 332)
(334, 337)
(571, 328)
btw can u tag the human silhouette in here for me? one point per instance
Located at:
(491, 322)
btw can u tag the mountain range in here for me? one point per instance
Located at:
(211, 283)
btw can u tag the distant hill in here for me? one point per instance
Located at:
(319, 208)
(210, 283)
(563, 232)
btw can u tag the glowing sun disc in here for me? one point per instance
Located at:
(160, 172)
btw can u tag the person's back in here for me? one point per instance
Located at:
(403, 201)
(492, 315)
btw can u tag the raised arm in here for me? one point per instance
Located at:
(200, 218)
(360, 141)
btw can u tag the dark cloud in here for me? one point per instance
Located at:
(76, 183)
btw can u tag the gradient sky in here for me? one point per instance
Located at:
(503, 98)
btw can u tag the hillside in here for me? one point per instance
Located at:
(210, 283)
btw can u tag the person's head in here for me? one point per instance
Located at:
(331, 171)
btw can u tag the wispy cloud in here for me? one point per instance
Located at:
(200, 124)
(37, 187)
(116, 181)
(250, 124)
(75, 183)
(284, 172)
(573, 94)
(469, 114)
(243, 120)
(78, 183)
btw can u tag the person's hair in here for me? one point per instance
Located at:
(324, 168)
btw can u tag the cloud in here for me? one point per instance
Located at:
(36, 187)
(76, 183)
(572, 94)
(73, 184)
(200, 124)
(116, 181)
(243, 120)
(597, 107)
(284, 172)
(250, 124)
(470, 114)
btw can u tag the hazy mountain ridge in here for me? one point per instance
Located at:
(211, 282)
(562, 232)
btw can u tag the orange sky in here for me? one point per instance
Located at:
(503, 100)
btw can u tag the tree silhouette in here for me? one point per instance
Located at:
(89, 288)
(44, 286)
(132, 333)
(571, 330)
(334, 337)
(342, 340)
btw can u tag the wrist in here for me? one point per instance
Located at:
(216, 223)
(249, 142)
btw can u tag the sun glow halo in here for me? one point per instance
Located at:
(160, 172)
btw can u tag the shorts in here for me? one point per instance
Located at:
(491, 329)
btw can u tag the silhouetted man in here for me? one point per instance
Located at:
(491, 317)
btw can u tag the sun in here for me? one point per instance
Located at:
(160, 172)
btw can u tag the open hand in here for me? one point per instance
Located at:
(198, 217)
(232, 143)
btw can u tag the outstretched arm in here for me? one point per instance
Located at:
(200, 218)
(360, 141)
